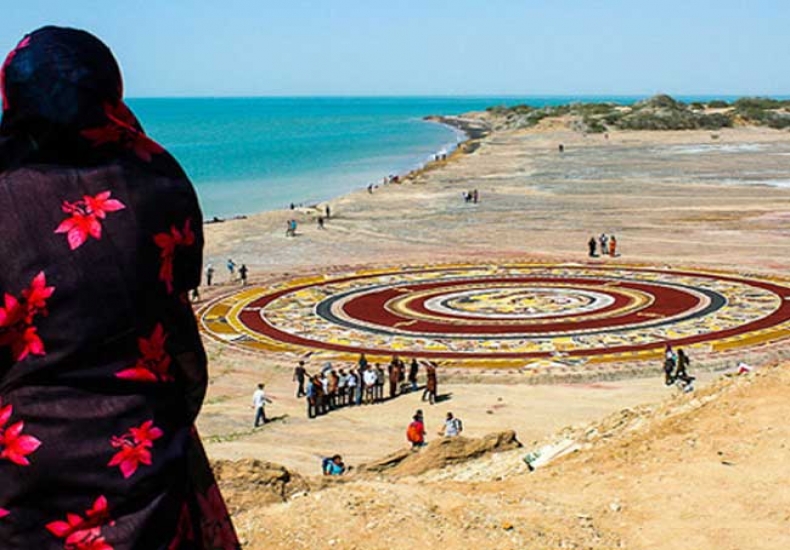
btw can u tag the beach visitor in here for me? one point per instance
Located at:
(231, 265)
(351, 384)
(380, 377)
(430, 383)
(603, 241)
(670, 360)
(363, 361)
(209, 274)
(243, 274)
(474, 196)
(334, 380)
(342, 381)
(320, 222)
(683, 362)
(310, 397)
(259, 401)
(360, 388)
(561, 148)
(370, 386)
(415, 433)
(413, 369)
(452, 426)
(394, 376)
(333, 466)
(319, 394)
(328, 212)
(591, 246)
(612, 246)
(102, 369)
(298, 377)
(325, 402)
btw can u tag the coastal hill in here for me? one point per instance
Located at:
(660, 112)
(695, 471)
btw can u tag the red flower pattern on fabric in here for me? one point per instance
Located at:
(215, 524)
(154, 362)
(184, 530)
(14, 446)
(3, 513)
(168, 242)
(84, 533)
(85, 215)
(17, 315)
(134, 448)
(121, 130)
(23, 44)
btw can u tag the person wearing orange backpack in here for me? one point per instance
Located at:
(415, 433)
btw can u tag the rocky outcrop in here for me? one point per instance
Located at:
(440, 453)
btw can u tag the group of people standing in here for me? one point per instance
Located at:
(676, 368)
(607, 244)
(364, 384)
(471, 196)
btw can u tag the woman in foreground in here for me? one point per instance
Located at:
(102, 371)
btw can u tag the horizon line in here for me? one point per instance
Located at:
(461, 96)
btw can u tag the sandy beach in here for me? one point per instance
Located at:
(668, 196)
(675, 198)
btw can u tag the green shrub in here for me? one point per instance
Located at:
(718, 104)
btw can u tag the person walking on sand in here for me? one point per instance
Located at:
(320, 222)
(415, 433)
(681, 372)
(231, 265)
(591, 246)
(299, 376)
(452, 426)
(259, 401)
(612, 246)
(209, 274)
(430, 384)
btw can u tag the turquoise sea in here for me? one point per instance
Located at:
(248, 155)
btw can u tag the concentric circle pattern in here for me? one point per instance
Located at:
(483, 314)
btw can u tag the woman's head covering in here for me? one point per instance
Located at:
(62, 104)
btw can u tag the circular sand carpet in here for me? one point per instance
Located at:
(508, 314)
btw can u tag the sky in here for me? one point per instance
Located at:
(430, 47)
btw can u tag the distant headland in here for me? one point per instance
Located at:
(660, 112)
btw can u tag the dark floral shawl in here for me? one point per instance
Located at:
(102, 371)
